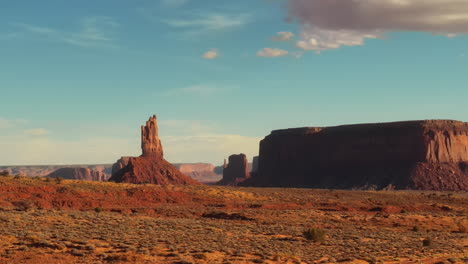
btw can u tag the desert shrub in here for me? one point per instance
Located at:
(4, 173)
(24, 205)
(314, 234)
(415, 228)
(226, 216)
(59, 180)
(427, 242)
(98, 209)
(17, 177)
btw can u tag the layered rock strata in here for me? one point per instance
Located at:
(426, 155)
(85, 174)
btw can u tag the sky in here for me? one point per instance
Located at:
(78, 78)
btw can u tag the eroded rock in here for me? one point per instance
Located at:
(429, 155)
(150, 167)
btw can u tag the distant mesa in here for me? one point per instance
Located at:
(236, 171)
(150, 167)
(422, 155)
(84, 174)
(202, 172)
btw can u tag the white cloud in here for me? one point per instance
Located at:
(37, 132)
(317, 39)
(207, 23)
(283, 36)
(211, 54)
(330, 24)
(271, 53)
(94, 31)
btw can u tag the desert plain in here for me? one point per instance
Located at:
(46, 220)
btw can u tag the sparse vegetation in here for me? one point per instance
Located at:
(314, 234)
(58, 180)
(4, 173)
(164, 224)
(427, 242)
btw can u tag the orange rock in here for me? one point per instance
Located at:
(428, 154)
(150, 167)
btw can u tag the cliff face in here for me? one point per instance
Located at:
(403, 155)
(150, 142)
(85, 174)
(236, 171)
(150, 167)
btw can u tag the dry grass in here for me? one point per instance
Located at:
(90, 222)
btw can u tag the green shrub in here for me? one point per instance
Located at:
(314, 234)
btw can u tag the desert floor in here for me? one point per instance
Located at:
(48, 221)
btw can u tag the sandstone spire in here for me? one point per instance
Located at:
(150, 167)
(150, 142)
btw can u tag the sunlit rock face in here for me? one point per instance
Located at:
(150, 167)
(429, 154)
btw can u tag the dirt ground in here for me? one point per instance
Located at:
(49, 221)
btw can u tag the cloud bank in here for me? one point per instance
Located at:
(330, 24)
(271, 53)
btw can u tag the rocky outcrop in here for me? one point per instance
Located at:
(120, 164)
(45, 170)
(85, 174)
(150, 167)
(429, 155)
(236, 171)
(150, 142)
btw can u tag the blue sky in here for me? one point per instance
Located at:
(79, 78)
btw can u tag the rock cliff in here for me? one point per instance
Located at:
(85, 174)
(430, 155)
(150, 167)
(236, 171)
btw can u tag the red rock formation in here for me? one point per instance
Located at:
(150, 167)
(150, 142)
(236, 171)
(255, 164)
(431, 155)
(85, 174)
(120, 164)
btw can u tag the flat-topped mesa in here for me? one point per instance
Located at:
(150, 142)
(426, 154)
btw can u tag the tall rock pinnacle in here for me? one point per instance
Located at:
(150, 167)
(150, 142)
